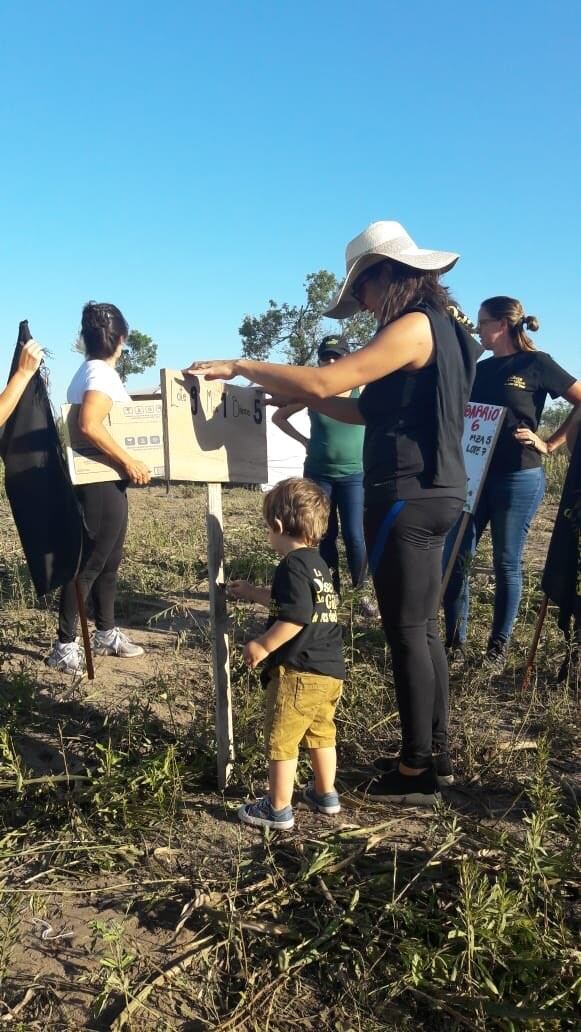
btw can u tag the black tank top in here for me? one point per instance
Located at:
(414, 418)
(400, 434)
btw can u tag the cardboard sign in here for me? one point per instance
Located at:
(137, 426)
(482, 425)
(214, 432)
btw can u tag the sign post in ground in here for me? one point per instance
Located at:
(215, 433)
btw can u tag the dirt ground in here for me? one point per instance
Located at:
(143, 882)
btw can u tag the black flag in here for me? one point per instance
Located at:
(43, 501)
(562, 577)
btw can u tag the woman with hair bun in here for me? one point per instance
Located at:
(95, 387)
(518, 377)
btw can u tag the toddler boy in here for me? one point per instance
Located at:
(302, 652)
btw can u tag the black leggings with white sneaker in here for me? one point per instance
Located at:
(105, 510)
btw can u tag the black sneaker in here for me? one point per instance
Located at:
(444, 769)
(495, 657)
(442, 764)
(456, 656)
(415, 790)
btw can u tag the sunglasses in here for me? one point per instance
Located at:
(360, 282)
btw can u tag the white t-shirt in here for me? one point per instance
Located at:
(96, 375)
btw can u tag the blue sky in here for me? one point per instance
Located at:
(190, 161)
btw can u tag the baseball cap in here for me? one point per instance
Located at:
(336, 346)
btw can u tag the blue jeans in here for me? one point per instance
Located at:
(508, 502)
(346, 497)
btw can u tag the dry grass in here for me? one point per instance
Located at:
(159, 912)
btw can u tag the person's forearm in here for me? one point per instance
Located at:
(96, 433)
(261, 595)
(344, 410)
(290, 430)
(277, 635)
(12, 394)
(303, 382)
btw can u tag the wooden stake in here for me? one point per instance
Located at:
(85, 632)
(219, 621)
(454, 552)
(534, 643)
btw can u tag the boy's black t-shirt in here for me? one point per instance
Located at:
(520, 383)
(302, 593)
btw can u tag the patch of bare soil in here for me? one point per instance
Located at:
(110, 894)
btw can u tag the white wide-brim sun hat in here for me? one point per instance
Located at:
(383, 240)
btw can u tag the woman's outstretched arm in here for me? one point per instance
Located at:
(406, 343)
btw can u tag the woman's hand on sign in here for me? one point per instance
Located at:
(529, 439)
(137, 472)
(220, 369)
(31, 355)
(254, 653)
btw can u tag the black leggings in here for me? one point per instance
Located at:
(404, 544)
(105, 509)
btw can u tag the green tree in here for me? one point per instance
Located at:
(555, 414)
(297, 330)
(140, 353)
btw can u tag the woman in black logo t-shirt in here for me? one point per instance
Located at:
(519, 378)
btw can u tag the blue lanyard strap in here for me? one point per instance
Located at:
(382, 535)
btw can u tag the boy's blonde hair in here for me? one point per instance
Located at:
(301, 506)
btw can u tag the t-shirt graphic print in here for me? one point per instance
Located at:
(302, 593)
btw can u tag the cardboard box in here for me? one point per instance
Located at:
(136, 426)
(214, 432)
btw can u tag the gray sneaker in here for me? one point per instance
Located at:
(262, 815)
(67, 656)
(115, 643)
(327, 803)
(495, 658)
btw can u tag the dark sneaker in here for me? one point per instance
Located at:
(327, 803)
(495, 657)
(415, 790)
(444, 771)
(369, 607)
(443, 768)
(262, 815)
(456, 656)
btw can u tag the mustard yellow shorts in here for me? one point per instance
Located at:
(300, 710)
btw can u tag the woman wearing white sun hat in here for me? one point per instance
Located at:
(417, 371)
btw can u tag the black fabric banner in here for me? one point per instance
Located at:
(43, 501)
(562, 577)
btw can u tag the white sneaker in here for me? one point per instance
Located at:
(115, 643)
(67, 656)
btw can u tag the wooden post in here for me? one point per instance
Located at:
(455, 549)
(85, 632)
(219, 623)
(534, 643)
